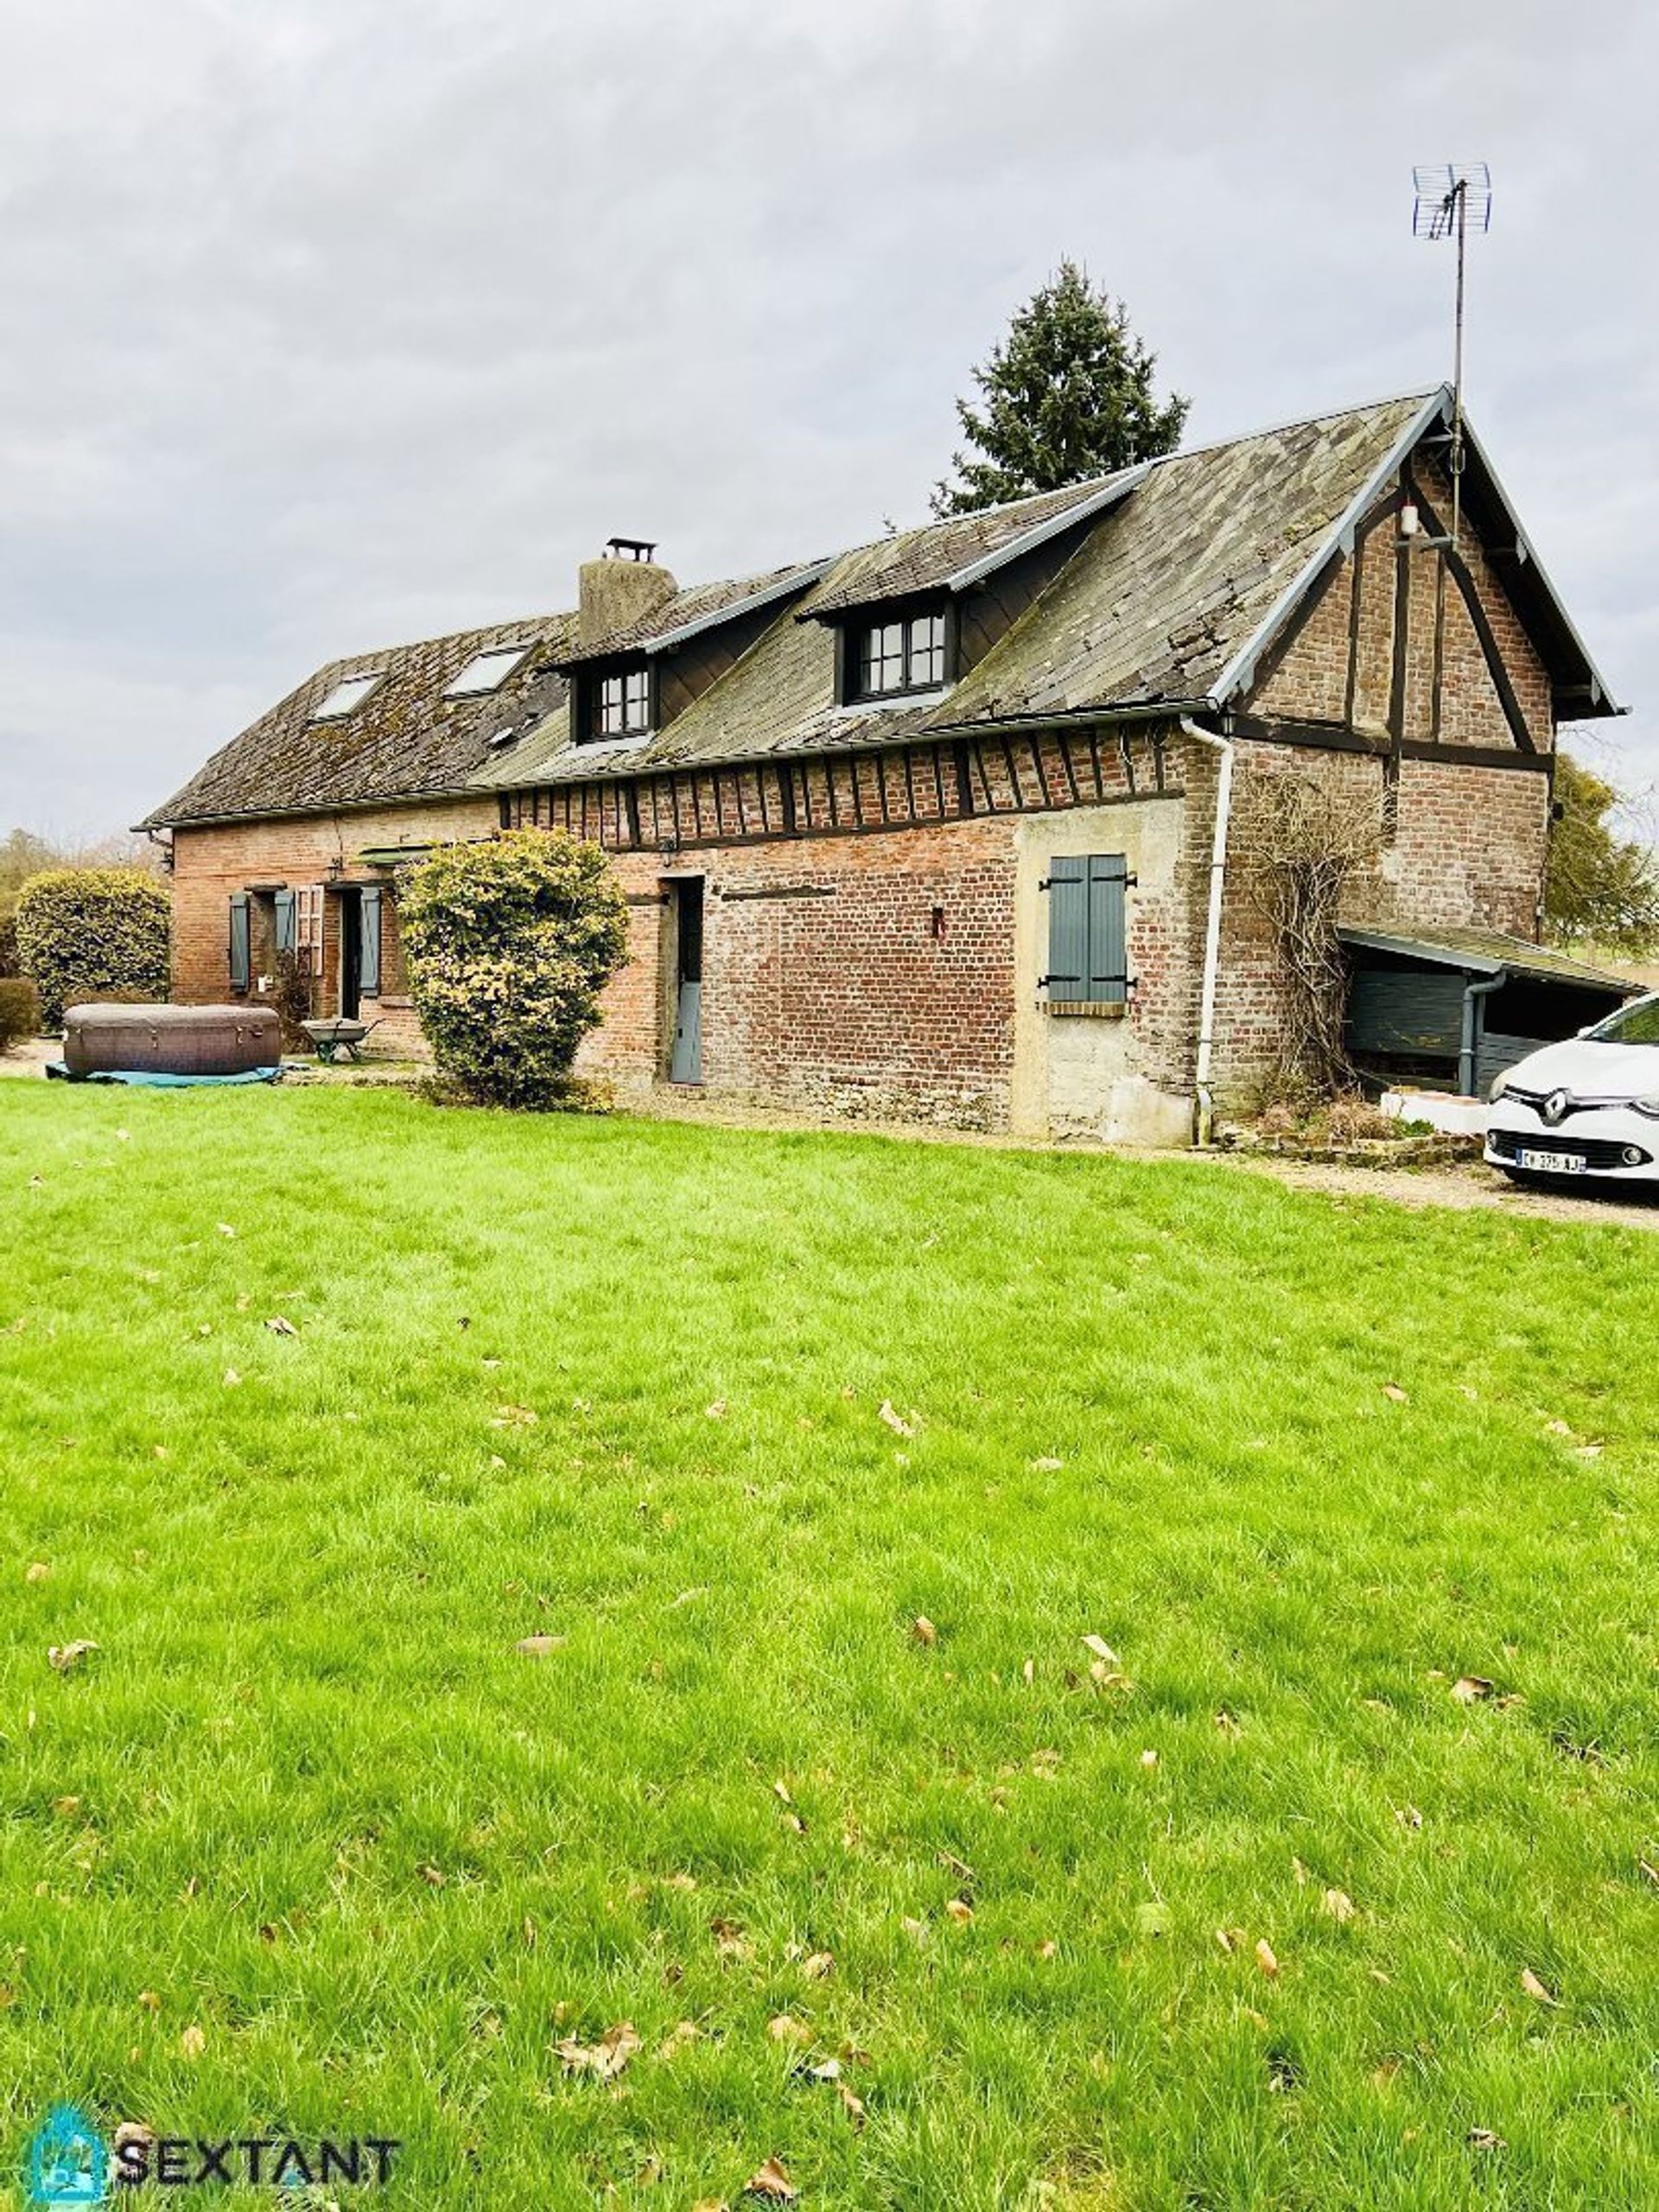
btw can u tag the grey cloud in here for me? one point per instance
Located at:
(332, 323)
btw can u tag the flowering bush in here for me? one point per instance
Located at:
(92, 933)
(508, 946)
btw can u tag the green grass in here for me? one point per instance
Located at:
(307, 1798)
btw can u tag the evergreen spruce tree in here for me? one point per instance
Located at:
(1065, 396)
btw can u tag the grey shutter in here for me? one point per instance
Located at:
(287, 935)
(240, 957)
(1068, 929)
(1108, 963)
(369, 968)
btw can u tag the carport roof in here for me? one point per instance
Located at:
(1489, 952)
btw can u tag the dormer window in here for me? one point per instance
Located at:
(899, 653)
(618, 702)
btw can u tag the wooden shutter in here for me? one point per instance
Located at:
(369, 968)
(241, 964)
(1068, 929)
(1108, 963)
(286, 936)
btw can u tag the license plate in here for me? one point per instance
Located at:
(1552, 1163)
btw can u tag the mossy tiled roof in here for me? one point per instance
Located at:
(1177, 567)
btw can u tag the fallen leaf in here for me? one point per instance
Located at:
(1226, 1723)
(231, 1378)
(1229, 1939)
(1265, 1957)
(1400, 1397)
(771, 2183)
(66, 1808)
(538, 1647)
(924, 1630)
(1048, 1948)
(67, 1657)
(896, 1421)
(716, 1412)
(36, 1571)
(149, 2000)
(1149, 1759)
(960, 1910)
(280, 1325)
(225, 1229)
(729, 1939)
(1482, 2139)
(687, 2032)
(514, 1417)
(1409, 1816)
(851, 2105)
(1535, 1989)
(434, 1877)
(1046, 1466)
(1338, 1905)
(821, 1965)
(604, 2059)
(1101, 1649)
(193, 2041)
(1028, 1673)
(711, 2204)
(1469, 1690)
(784, 2027)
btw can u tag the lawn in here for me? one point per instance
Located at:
(819, 1459)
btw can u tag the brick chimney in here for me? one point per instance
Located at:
(623, 587)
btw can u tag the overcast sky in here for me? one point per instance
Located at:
(328, 323)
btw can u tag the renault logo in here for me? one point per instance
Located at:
(1555, 1106)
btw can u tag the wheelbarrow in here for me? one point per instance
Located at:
(339, 1039)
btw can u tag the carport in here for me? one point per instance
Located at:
(1447, 1009)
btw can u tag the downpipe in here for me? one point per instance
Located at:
(1203, 1104)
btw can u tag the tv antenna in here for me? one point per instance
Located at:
(1453, 198)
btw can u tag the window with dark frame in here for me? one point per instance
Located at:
(904, 653)
(621, 704)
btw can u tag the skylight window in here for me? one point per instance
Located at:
(347, 696)
(485, 673)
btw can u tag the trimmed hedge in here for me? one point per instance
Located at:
(90, 933)
(20, 1011)
(508, 946)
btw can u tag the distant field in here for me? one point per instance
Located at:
(1259, 1911)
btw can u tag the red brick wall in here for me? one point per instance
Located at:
(210, 863)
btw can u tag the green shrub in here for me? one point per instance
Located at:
(20, 1011)
(92, 933)
(508, 946)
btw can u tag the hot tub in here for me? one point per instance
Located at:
(171, 1040)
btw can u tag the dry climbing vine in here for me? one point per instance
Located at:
(1303, 840)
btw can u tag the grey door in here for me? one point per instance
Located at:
(685, 1064)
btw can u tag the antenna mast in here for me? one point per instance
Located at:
(1451, 197)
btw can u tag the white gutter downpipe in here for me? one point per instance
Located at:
(1204, 1107)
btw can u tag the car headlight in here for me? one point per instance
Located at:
(1648, 1106)
(1500, 1083)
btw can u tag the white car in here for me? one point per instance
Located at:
(1589, 1106)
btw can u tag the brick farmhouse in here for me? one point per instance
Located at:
(948, 827)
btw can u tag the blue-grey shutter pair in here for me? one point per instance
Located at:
(1088, 942)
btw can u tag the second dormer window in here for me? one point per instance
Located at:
(904, 654)
(622, 703)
